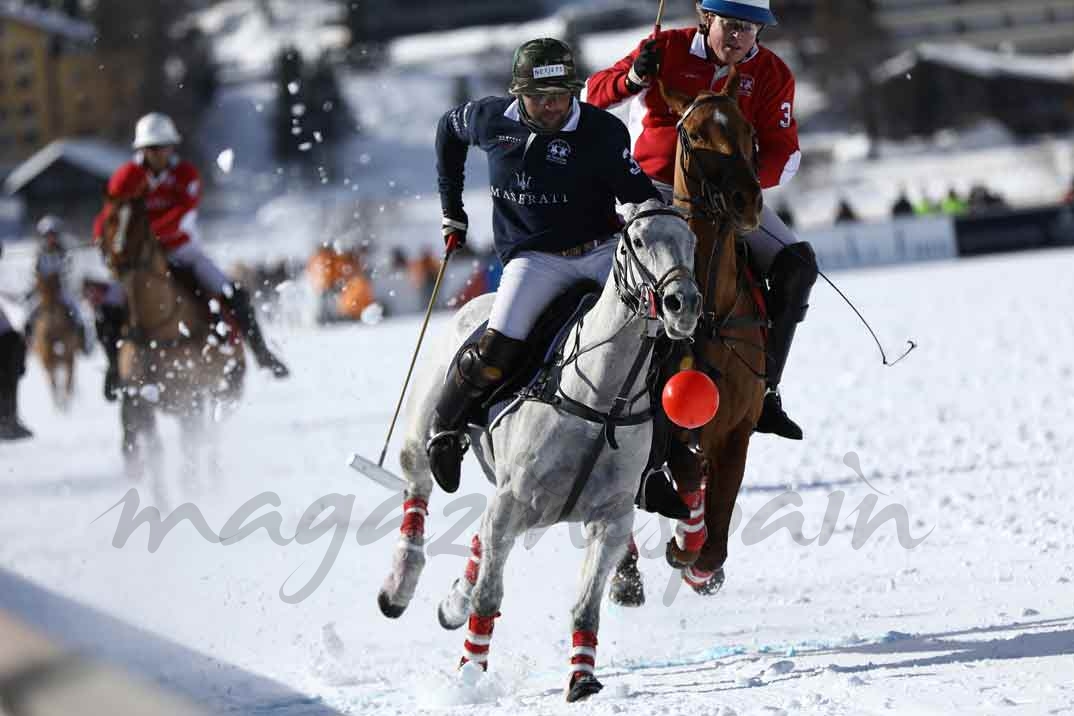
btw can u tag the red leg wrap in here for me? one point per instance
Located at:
(690, 534)
(696, 577)
(414, 511)
(583, 653)
(476, 646)
(474, 565)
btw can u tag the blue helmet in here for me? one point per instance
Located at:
(758, 11)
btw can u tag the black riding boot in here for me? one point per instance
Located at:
(480, 369)
(109, 324)
(246, 317)
(12, 366)
(791, 278)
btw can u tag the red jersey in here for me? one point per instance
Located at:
(171, 198)
(766, 97)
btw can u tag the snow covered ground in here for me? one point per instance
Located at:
(972, 436)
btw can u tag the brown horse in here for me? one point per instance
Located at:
(56, 338)
(716, 184)
(176, 355)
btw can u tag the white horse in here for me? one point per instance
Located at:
(578, 457)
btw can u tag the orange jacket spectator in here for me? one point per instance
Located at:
(356, 295)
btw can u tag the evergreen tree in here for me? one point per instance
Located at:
(289, 132)
(363, 46)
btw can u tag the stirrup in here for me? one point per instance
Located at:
(459, 435)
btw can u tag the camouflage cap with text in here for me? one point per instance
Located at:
(544, 66)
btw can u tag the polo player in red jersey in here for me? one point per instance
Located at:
(171, 187)
(688, 61)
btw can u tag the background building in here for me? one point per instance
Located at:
(50, 85)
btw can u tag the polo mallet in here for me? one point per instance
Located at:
(659, 17)
(448, 251)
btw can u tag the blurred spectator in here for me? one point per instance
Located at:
(784, 212)
(981, 199)
(355, 296)
(423, 271)
(476, 284)
(398, 260)
(1069, 198)
(925, 205)
(334, 272)
(845, 213)
(902, 205)
(953, 204)
(320, 269)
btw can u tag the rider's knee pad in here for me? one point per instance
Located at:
(793, 273)
(471, 371)
(490, 360)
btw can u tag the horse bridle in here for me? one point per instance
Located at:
(119, 239)
(635, 284)
(640, 296)
(713, 203)
(142, 261)
(713, 206)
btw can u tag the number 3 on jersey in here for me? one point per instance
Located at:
(785, 120)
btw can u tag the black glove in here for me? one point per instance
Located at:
(454, 227)
(646, 65)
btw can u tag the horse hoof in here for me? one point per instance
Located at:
(627, 588)
(704, 583)
(454, 609)
(677, 558)
(392, 611)
(445, 621)
(582, 688)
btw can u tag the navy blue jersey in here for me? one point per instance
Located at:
(550, 192)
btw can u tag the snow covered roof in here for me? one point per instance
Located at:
(979, 62)
(51, 21)
(91, 155)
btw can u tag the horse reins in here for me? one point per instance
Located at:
(712, 206)
(642, 299)
(142, 262)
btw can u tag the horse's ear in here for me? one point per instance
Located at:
(676, 101)
(629, 210)
(733, 81)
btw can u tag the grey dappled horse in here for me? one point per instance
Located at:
(536, 453)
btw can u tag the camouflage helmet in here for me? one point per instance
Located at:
(544, 66)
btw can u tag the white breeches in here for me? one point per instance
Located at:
(532, 279)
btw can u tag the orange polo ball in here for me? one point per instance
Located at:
(690, 399)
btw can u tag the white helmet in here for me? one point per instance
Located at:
(155, 130)
(49, 224)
